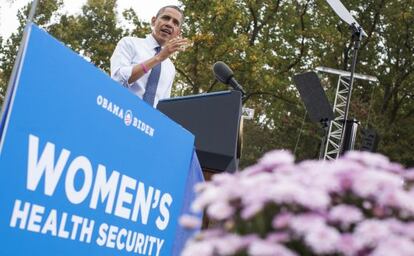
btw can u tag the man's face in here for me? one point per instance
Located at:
(167, 25)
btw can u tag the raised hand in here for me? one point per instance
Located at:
(172, 46)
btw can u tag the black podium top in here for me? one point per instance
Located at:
(214, 119)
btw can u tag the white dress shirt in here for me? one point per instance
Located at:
(131, 51)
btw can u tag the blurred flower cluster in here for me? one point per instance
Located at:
(360, 204)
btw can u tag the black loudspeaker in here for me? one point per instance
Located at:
(314, 97)
(351, 127)
(214, 119)
(370, 139)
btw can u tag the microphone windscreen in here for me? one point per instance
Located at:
(222, 72)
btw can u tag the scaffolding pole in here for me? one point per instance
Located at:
(336, 126)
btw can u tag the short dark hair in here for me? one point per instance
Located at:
(160, 11)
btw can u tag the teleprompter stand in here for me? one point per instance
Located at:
(316, 102)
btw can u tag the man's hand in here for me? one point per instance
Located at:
(172, 46)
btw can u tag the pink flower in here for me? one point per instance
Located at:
(189, 221)
(409, 174)
(345, 178)
(206, 197)
(201, 186)
(400, 228)
(320, 176)
(223, 178)
(323, 239)
(304, 223)
(395, 168)
(255, 189)
(199, 248)
(251, 210)
(218, 242)
(282, 220)
(371, 232)
(405, 201)
(252, 170)
(367, 158)
(249, 239)
(372, 160)
(309, 203)
(212, 233)
(345, 215)
(394, 245)
(220, 210)
(265, 248)
(314, 199)
(278, 237)
(276, 158)
(229, 244)
(372, 182)
(216, 196)
(348, 245)
(286, 192)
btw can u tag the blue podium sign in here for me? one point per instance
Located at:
(86, 167)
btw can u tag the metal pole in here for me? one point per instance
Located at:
(32, 11)
(358, 37)
(15, 71)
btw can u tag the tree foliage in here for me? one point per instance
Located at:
(267, 42)
(10, 46)
(94, 33)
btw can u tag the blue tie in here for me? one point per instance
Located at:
(152, 82)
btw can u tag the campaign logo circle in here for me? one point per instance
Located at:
(128, 118)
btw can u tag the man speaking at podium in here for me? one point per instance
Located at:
(143, 64)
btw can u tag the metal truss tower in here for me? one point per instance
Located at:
(336, 126)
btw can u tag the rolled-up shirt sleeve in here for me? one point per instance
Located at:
(121, 62)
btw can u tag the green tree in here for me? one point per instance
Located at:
(46, 9)
(140, 28)
(395, 106)
(267, 42)
(93, 34)
(387, 53)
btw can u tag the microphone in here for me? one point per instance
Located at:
(224, 74)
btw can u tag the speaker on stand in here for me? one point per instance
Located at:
(369, 140)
